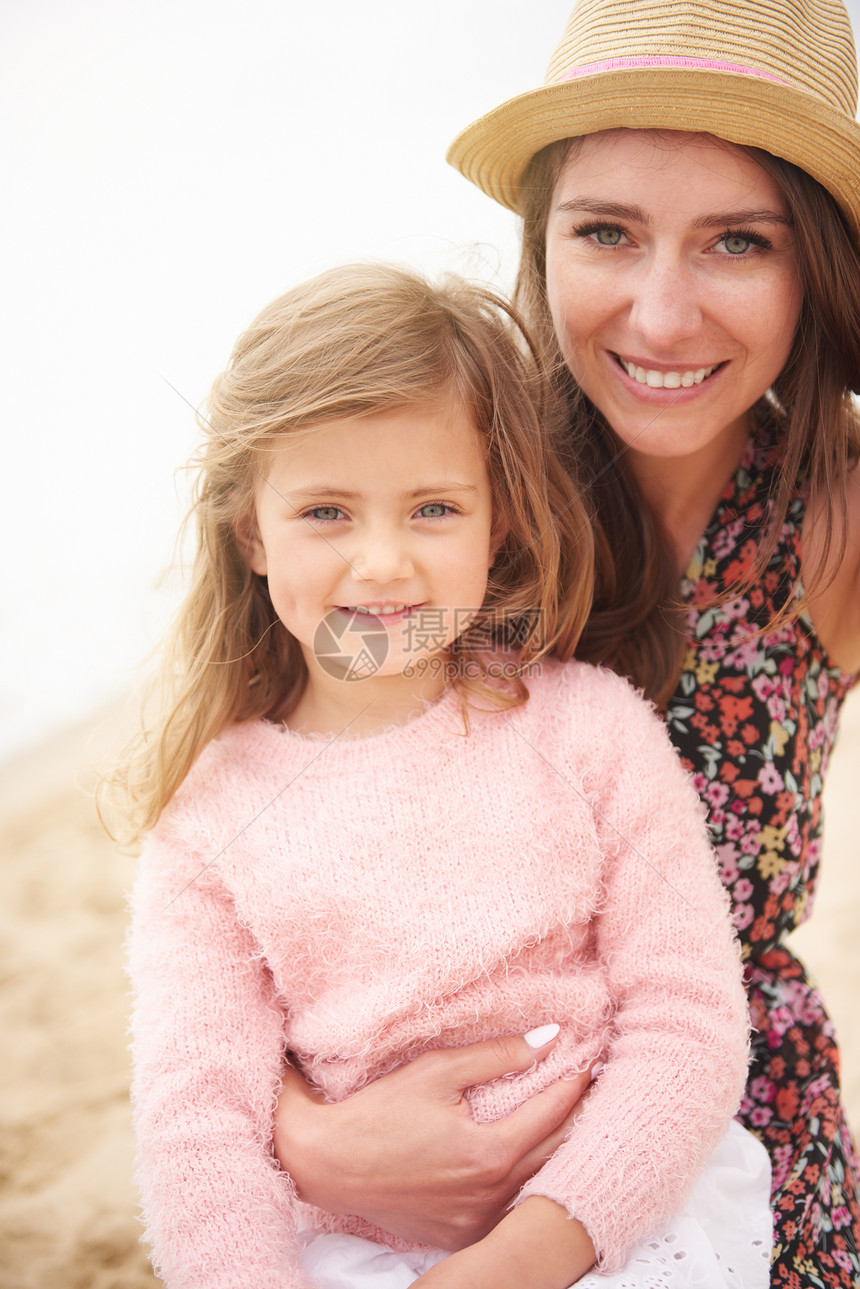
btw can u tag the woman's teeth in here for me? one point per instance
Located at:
(667, 379)
(378, 610)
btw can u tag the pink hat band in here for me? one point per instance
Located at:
(665, 60)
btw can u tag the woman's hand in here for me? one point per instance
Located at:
(405, 1153)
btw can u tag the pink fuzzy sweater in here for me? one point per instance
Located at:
(359, 902)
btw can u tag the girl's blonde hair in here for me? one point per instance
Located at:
(354, 341)
(637, 624)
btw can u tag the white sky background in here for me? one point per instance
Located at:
(168, 168)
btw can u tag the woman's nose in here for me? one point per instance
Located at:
(666, 307)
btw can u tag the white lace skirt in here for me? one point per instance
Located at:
(721, 1240)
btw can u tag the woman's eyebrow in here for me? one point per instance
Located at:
(635, 214)
(734, 217)
(608, 209)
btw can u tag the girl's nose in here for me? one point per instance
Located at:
(666, 308)
(381, 557)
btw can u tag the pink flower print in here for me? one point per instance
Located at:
(750, 843)
(746, 654)
(736, 608)
(712, 650)
(717, 794)
(763, 1089)
(700, 783)
(776, 707)
(734, 829)
(770, 779)
(781, 1160)
(781, 1021)
(742, 890)
(782, 635)
(763, 686)
(727, 858)
(726, 539)
(780, 881)
(831, 722)
(742, 916)
(802, 1005)
(761, 1116)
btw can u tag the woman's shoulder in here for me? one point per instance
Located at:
(835, 601)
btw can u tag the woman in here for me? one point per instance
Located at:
(697, 298)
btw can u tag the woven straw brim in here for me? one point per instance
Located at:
(494, 151)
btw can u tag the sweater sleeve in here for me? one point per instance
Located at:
(676, 1061)
(208, 1046)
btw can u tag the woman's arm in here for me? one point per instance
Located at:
(835, 609)
(405, 1153)
(536, 1245)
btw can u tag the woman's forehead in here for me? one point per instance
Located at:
(666, 164)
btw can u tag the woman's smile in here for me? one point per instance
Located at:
(665, 378)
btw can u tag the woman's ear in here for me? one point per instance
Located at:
(251, 545)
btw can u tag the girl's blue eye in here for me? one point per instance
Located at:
(324, 514)
(735, 244)
(434, 510)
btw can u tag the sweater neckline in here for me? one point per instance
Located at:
(444, 713)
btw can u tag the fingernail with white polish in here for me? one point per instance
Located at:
(542, 1035)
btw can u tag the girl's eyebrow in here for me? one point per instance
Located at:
(450, 485)
(333, 493)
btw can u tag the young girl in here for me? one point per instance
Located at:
(385, 822)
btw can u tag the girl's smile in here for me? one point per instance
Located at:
(672, 286)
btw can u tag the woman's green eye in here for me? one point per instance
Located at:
(737, 245)
(608, 236)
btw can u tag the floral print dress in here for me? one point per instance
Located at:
(754, 718)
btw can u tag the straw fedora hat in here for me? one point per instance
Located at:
(774, 74)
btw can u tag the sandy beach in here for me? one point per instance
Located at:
(67, 1216)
